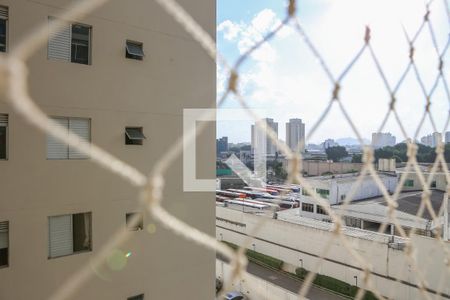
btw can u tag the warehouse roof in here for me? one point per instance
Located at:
(410, 203)
(376, 209)
(344, 178)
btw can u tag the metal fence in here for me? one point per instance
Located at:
(14, 87)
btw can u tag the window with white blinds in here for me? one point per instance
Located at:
(70, 42)
(69, 234)
(57, 149)
(3, 28)
(59, 40)
(4, 243)
(3, 136)
(60, 236)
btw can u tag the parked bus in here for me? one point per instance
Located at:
(273, 192)
(283, 203)
(244, 203)
(284, 188)
(251, 194)
(230, 194)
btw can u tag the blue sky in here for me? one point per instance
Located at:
(284, 79)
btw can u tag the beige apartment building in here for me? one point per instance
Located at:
(120, 77)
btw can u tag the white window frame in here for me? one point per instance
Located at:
(5, 224)
(89, 43)
(320, 210)
(69, 25)
(72, 252)
(7, 27)
(74, 155)
(130, 55)
(308, 206)
(6, 116)
(139, 226)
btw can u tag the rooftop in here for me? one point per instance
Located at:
(292, 216)
(343, 178)
(410, 203)
(376, 209)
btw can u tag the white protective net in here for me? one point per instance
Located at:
(15, 90)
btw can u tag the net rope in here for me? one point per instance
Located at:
(15, 91)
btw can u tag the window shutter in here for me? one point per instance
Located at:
(82, 128)
(59, 41)
(57, 149)
(3, 120)
(3, 12)
(60, 236)
(4, 235)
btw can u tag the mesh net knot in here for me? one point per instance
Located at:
(392, 103)
(367, 35)
(411, 150)
(440, 148)
(154, 189)
(292, 8)
(368, 155)
(426, 17)
(232, 83)
(411, 52)
(336, 90)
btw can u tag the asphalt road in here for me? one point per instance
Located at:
(288, 283)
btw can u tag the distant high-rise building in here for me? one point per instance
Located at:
(329, 143)
(258, 136)
(382, 139)
(295, 134)
(222, 144)
(447, 137)
(431, 140)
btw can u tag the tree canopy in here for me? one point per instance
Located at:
(336, 153)
(399, 152)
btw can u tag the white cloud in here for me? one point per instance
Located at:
(264, 20)
(230, 29)
(248, 34)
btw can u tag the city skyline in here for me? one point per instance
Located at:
(429, 139)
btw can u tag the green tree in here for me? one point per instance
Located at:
(357, 158)
(447, 152)
(336, 153)
(399, 152)
(277, 167)
(234, 149)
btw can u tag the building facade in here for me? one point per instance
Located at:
(261, 143)
(222, 144)
(120, 79)
(381, 139)
(295, 134)
(432, 140)
(335, 188)
(328, 143)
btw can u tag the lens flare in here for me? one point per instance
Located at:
(117, 260)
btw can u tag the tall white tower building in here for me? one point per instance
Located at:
(295, 134)
(259, 136)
